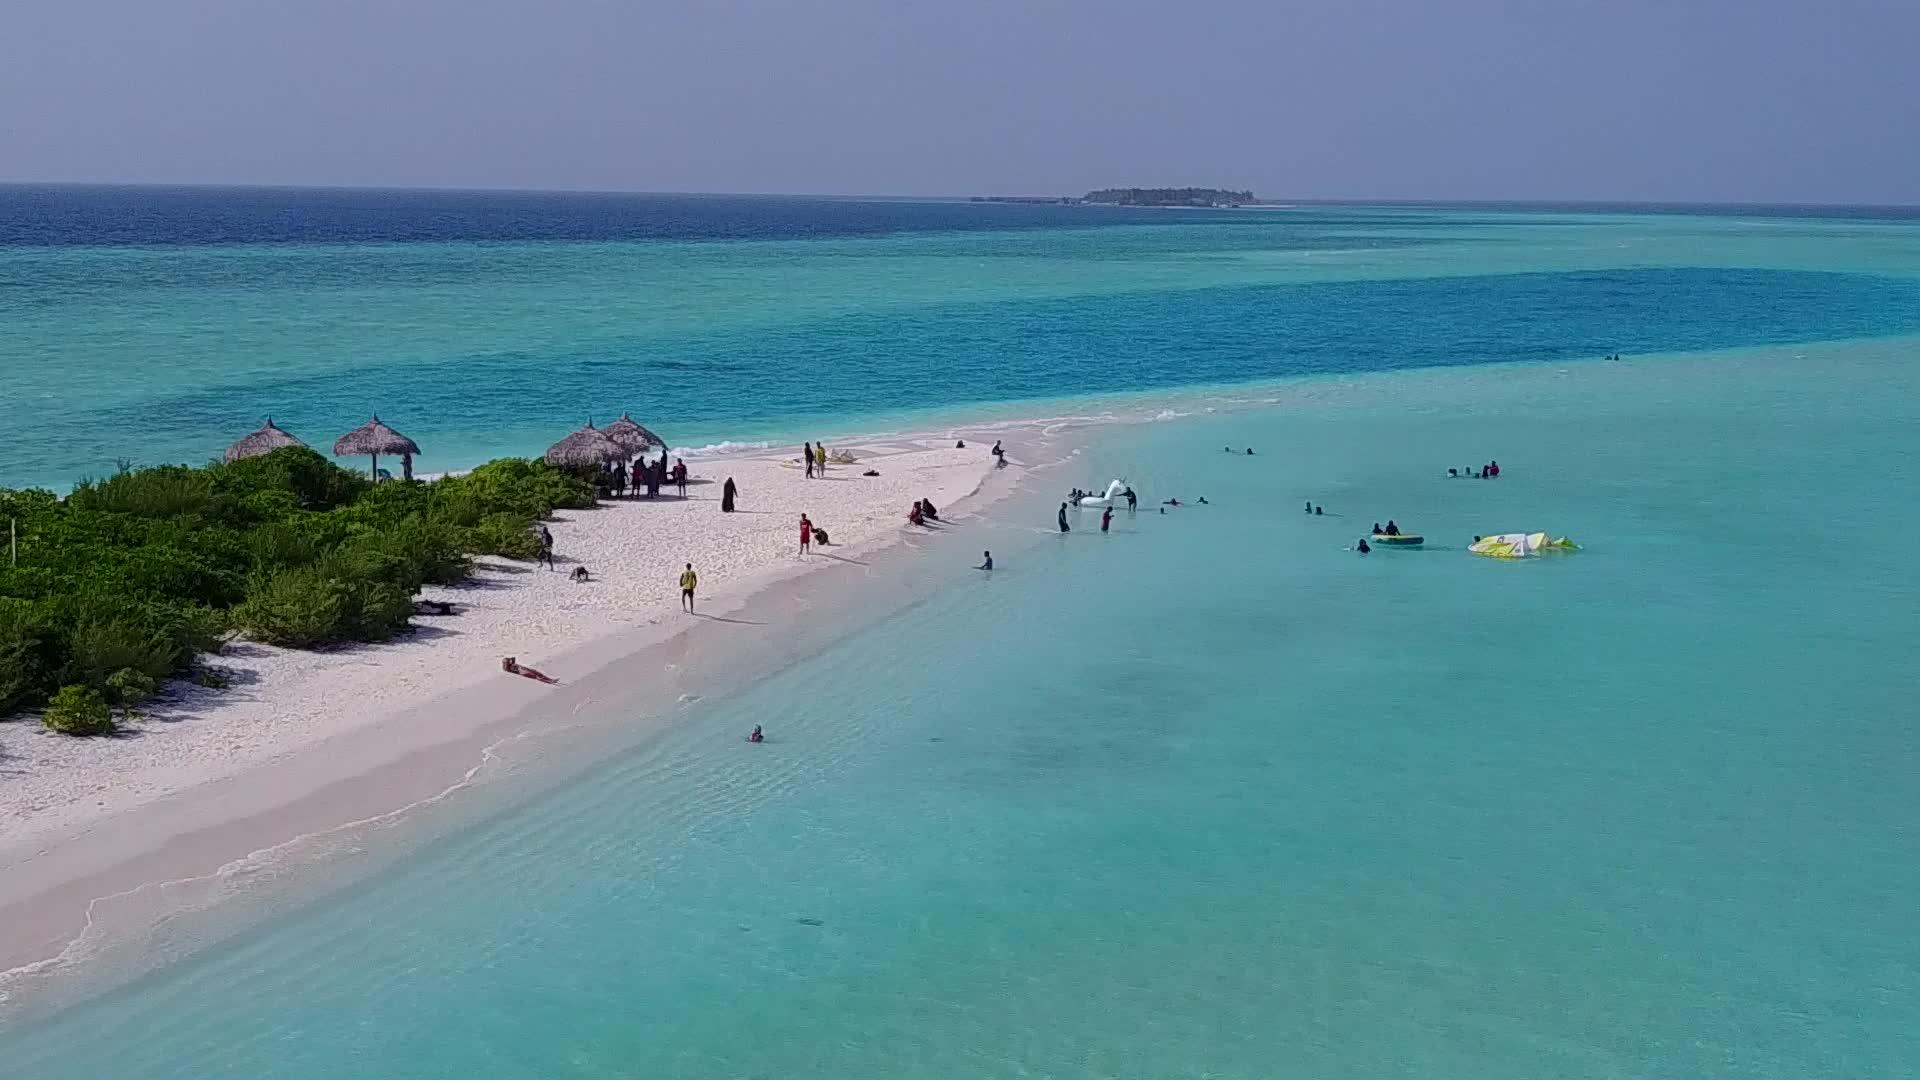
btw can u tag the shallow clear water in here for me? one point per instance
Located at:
(1215, 796)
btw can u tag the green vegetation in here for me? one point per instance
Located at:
(1186, 196)
(79, 710)
(124, 582)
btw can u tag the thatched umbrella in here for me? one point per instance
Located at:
(374, 438)
(588, 446)
(265, 441)
(632, 438)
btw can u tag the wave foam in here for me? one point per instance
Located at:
(723, 448)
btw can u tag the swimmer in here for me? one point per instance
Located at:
(756, 735)
(1453, 473)
(1203, 501)
(1309, 506)
(988, 563)
(1171, 502)
(1249, 451)
(1363, 548)
(1106, 518)
(1319, 511)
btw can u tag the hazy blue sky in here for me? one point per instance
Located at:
(1762, 100)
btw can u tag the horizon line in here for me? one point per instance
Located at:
(1319, 200)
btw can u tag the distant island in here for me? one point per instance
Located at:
(1161, 196)
(1186, 196)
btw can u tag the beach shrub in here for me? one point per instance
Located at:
(211, 678)
(506, 535)
(306, 479)
(27, 643)
(299, 607)
(99, 647)
(79, 710)
(531, 488)
(128, 687)
(149, 568)
(162, 491)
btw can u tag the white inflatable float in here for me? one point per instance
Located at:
(1113, 497)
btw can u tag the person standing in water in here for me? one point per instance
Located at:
(688, 582)
(1064, 527)
(1133, 501)
(1106, 518)
(987, 563)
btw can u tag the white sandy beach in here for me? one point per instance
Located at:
(284, 704)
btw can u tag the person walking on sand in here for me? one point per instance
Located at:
(806, 536)
(546, 549)
(1106, 518)
(807, 450)
(820, 452)
(688, 582)
(1064, 527)
(727, 493)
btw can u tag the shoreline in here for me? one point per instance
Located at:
(226, 778)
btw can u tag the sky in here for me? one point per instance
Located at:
(1674, 100)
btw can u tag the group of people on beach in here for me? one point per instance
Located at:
(618, 479)
(651, 476)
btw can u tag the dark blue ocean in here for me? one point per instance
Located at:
(158, 325)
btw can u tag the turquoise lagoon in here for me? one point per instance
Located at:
(1210, 796)
(1213, 795)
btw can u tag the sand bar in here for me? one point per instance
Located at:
(305, 741)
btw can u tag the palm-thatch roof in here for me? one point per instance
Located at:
(631, 437)
(588, 446)
(265, 441)
(373, 437)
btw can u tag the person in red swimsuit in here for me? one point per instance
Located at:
(806, 535)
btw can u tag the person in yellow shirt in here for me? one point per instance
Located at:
(688, 581)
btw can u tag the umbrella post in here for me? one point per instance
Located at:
(373, 470)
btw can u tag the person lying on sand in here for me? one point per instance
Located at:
(581, 574)
(512, 667)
